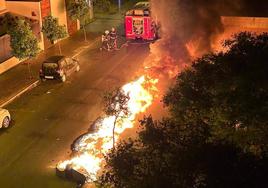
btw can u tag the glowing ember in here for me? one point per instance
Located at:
(91, 146)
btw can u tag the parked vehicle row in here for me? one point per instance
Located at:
(55, 67)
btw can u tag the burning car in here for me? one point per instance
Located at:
(80, 143)
(88, 150)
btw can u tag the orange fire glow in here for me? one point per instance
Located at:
(91, 147)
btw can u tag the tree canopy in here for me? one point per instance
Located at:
(23, 42)
(228, 91)
(52, 30)
(168, 154)
(216, 135)
(78, 10)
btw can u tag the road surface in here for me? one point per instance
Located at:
(48, 118)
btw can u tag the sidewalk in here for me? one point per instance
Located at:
(17, 80)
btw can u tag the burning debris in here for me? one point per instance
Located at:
(188, 30)
(88, 150)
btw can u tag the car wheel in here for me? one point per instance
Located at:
(77, 68)
(63, 78)
(6, 122)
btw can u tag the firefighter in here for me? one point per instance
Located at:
(154, 29)
(105, 39)
(113, 37)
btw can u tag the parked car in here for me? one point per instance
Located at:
(58, 67)
(5, 118)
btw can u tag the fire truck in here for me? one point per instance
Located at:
(139, 24)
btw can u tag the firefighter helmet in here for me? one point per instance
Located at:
(107, 32)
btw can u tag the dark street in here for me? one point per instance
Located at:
(48, 119)
(133, 94)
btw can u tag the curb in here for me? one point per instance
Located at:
(35, 83)
(31, 86)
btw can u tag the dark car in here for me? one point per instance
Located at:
(58, 67)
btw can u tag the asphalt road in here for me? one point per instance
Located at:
(48, 118)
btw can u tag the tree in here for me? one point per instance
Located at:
(227, 91)
(169, 154)
(116, 104)
(79, 10)
(52, 30)
(9, 21)
(216, 135)
(23, 42)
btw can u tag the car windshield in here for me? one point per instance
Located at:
(50, 65)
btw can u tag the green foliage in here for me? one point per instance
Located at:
(52, 30)
(168, 154)
(78, 10)
(228, 91)
(23, 42)
(7, 22)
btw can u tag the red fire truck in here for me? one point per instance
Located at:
(139, 23)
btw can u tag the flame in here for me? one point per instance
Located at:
(90, 147)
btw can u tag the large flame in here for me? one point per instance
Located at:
(90, 147)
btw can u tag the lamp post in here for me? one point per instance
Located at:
(119, 5)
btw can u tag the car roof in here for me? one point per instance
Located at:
(54, 59)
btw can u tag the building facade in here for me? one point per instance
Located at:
(235, 24)
(34, 11)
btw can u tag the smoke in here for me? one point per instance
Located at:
(252, 8)
(190, 27)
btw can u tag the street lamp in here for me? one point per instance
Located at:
(119, 5)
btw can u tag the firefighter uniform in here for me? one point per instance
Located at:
(113, 37)
(105, 38)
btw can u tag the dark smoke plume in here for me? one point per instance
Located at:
(188, 24)
(188, 28)
(251, 8)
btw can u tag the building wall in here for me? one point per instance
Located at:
(72, 26)
(5, 52)
(45, 11)
(2, 5)
(245, 23)
(30, 10)
(27, 9)
(45, 8)
(234, 25)
(58, 10)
